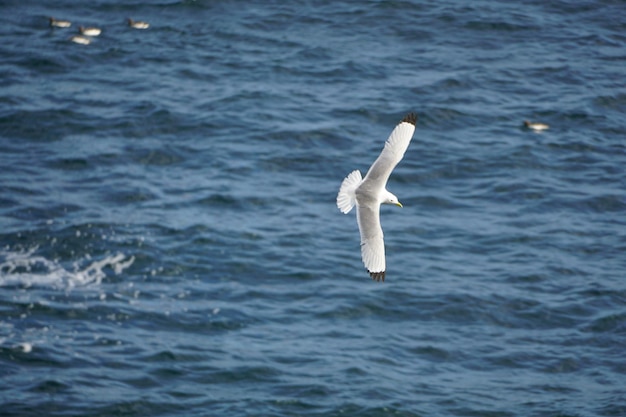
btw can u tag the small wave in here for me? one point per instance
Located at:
(26, 269)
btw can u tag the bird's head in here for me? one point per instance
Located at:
(391, 199)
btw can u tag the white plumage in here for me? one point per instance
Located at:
(137, 24)
(56, 23)
(536, 126)
(346, 199)
(370, 192)
(90, 31)
(80, 39)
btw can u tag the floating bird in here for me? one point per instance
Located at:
(137, 25)
(90, 31)
(25, 347)
(369, 193)
(80, 39)
(59, 23)
(537, 127)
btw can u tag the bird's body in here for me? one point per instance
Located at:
(137, 24)
(90, 31)
(80, 39)
(57, 23)
(536, 126)
(370, 192)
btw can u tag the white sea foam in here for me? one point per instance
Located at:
(27, 269)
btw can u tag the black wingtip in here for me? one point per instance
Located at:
(378, 276)
(410, 118)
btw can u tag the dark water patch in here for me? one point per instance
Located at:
(161, 157)
(258, 374)
(219, 200)
(41, 65)
(42, 126)
(136, 407)
(71, 164)
(500, 26)
(50, 387)
(605, 203)
(614, 323)
(432, 353)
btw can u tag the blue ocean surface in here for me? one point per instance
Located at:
(170, 243)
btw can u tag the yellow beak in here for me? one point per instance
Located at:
(399, 204)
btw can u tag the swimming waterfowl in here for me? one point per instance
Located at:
(137, 24)
(59, 23)
(80, 39)
(90, 31)
(537, 127)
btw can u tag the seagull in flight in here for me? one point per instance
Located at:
(370, 192)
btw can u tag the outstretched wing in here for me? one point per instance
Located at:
(395, 147)
(372, 243)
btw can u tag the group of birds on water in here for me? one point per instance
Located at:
(367, 194)
(87, 33)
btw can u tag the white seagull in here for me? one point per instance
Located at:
(369, 193)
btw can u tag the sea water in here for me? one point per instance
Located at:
(170, 243)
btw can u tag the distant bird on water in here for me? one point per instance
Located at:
(537, 127)
(55, 23)
(369, 193)
(80, 39)
(137, 24)
(90, 31)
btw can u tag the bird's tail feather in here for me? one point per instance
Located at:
(346, 199)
